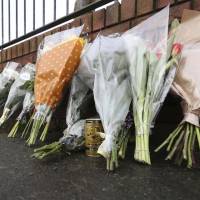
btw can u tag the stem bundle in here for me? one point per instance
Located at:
(181, 144)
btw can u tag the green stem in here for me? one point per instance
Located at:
(198, 135)
(27, 128)
(189, 165)
(14, 130)
(186, 142)
(173, 137)
(168, 139)
(170, 155)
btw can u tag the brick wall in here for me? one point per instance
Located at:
(115, 18)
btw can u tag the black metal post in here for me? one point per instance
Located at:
(16, 18)
(33, 14)
(70, 16)
(24, 16)
(54, 10)
(2, 22)
(67, 7)
(43, 12)
(9, 20)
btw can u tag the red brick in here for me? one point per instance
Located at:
(2, 66)
(26, 47)
(112, 14)
(33, 44)
(56, 30)
(65, 27)
(26, 59)
(47, 33)
(92, 36)
(19, 49)
(14, 52)
(3, 56)
(75, 23)
(196, 4)
(9, 54)
(144, 6)
(87, 21)
(177, 10)
(120, 28)
(139, 20)
(127, 9)
(98, 19)
(40, 39)
(163, 3)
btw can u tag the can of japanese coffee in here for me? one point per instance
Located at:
(92, 136)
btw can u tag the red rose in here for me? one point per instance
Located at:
(176, 49)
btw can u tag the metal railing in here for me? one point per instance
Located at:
(44, 27)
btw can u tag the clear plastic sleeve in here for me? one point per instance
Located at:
(111, 88)
(28, 104)
(82, 83)
(57, 61)
(74, 137)
(7, 77)
(77, 94)
(146, 46)
(18, 91)
(51, 41)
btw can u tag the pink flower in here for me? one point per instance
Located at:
(158, 54)
(176, 49)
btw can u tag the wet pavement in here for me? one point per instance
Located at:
(78, 177)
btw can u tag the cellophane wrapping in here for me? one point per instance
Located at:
(79, 107)
(58, 59)
(7, 77)
(111, 92)
(147, 52)
(182, 143)
(18, 91)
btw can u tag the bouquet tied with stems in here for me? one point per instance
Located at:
(58, 59)
(18, 91)
(80, 96)
(152, 67)
(183, 142)
(111, 93)
(7, 77)
(27, 109)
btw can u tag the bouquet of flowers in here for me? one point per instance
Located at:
(57, 62)
(18, 91)
(7, 77)
(111, 93)
(152, 66)
(80, 95)
(184, 140)
(22, 119)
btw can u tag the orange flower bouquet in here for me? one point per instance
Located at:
(56, 64)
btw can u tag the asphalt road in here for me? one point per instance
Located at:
(78, 177)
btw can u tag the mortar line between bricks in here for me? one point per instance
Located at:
(106, 27)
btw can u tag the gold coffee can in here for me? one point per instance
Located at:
(92, 137)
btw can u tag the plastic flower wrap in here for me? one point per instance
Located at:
(111, 93)
(18, 91)
(57, 62)
(80, 96)
(182, 143)
(27, 109)
(148, 49)
(7, 77)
